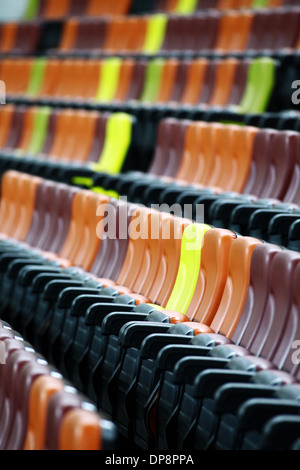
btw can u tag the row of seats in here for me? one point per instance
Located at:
(224, 307)
(249, 184)
(68, 135)
(245, 85)
(210, 32)
(40, 410)
(265, 30)
(51, 9)
(263, 163)
(266, 218)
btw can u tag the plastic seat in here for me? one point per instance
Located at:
(6, 117)
(259, 166)
(52, 11)
(225, 74)
(234, 32)
(42, 390)
(194, 81)
(169, 147)
(256, 97)
(212, 276)
(8, 37)
(81, 430)
(280, 170)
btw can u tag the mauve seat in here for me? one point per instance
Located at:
(169, 147)
(261, 156)
(281, 165)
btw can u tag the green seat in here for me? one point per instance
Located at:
(37, 76)
(40, 127)
(260, 3)
(155, 33)
(152, 81)
(32, 9)
(189, 268)
(109, 79)
(259, 87)
(116, 145)
(186, 6)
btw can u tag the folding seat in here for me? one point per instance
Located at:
(18, 195)
(8, 37)
(13, 416)
(83, 430)
(137, 83)
(239, 82)
(109, 79)
(174, 34)
(16, 75)
(186, 7)
(94, 8)
(50, 79)
(50, 10)
(91, 430)
(91, 34)
(206, 4)
(259, 166)
(195, 76)
(208, 36)
(224, 79)
(233, 32)
(27, 38)
(130, 344)
(280, 170)
(168, 75)
(180, 81)
(136, 34)
(155, 32)
(169, 147)
(152, 81)
(69, 35)
(6, 117)
(259, 253)
(260, 84)
(270, 341)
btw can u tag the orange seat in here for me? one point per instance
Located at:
(27, 129)
(80, 430)
(15, 73)
(17, 203)
(234, 31)
(125, 79)
(54, 10)
(42, 390)
(167, 80)
(238, 165)
(136, 33)
(106, 7)
(69, 35)
(225, 74)
(198, 154)
(194, 81)
(82, 242)
(236, 287)
(53, 71)
(6, 117)
(8, 37)
(222, 136)
(212, 276)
